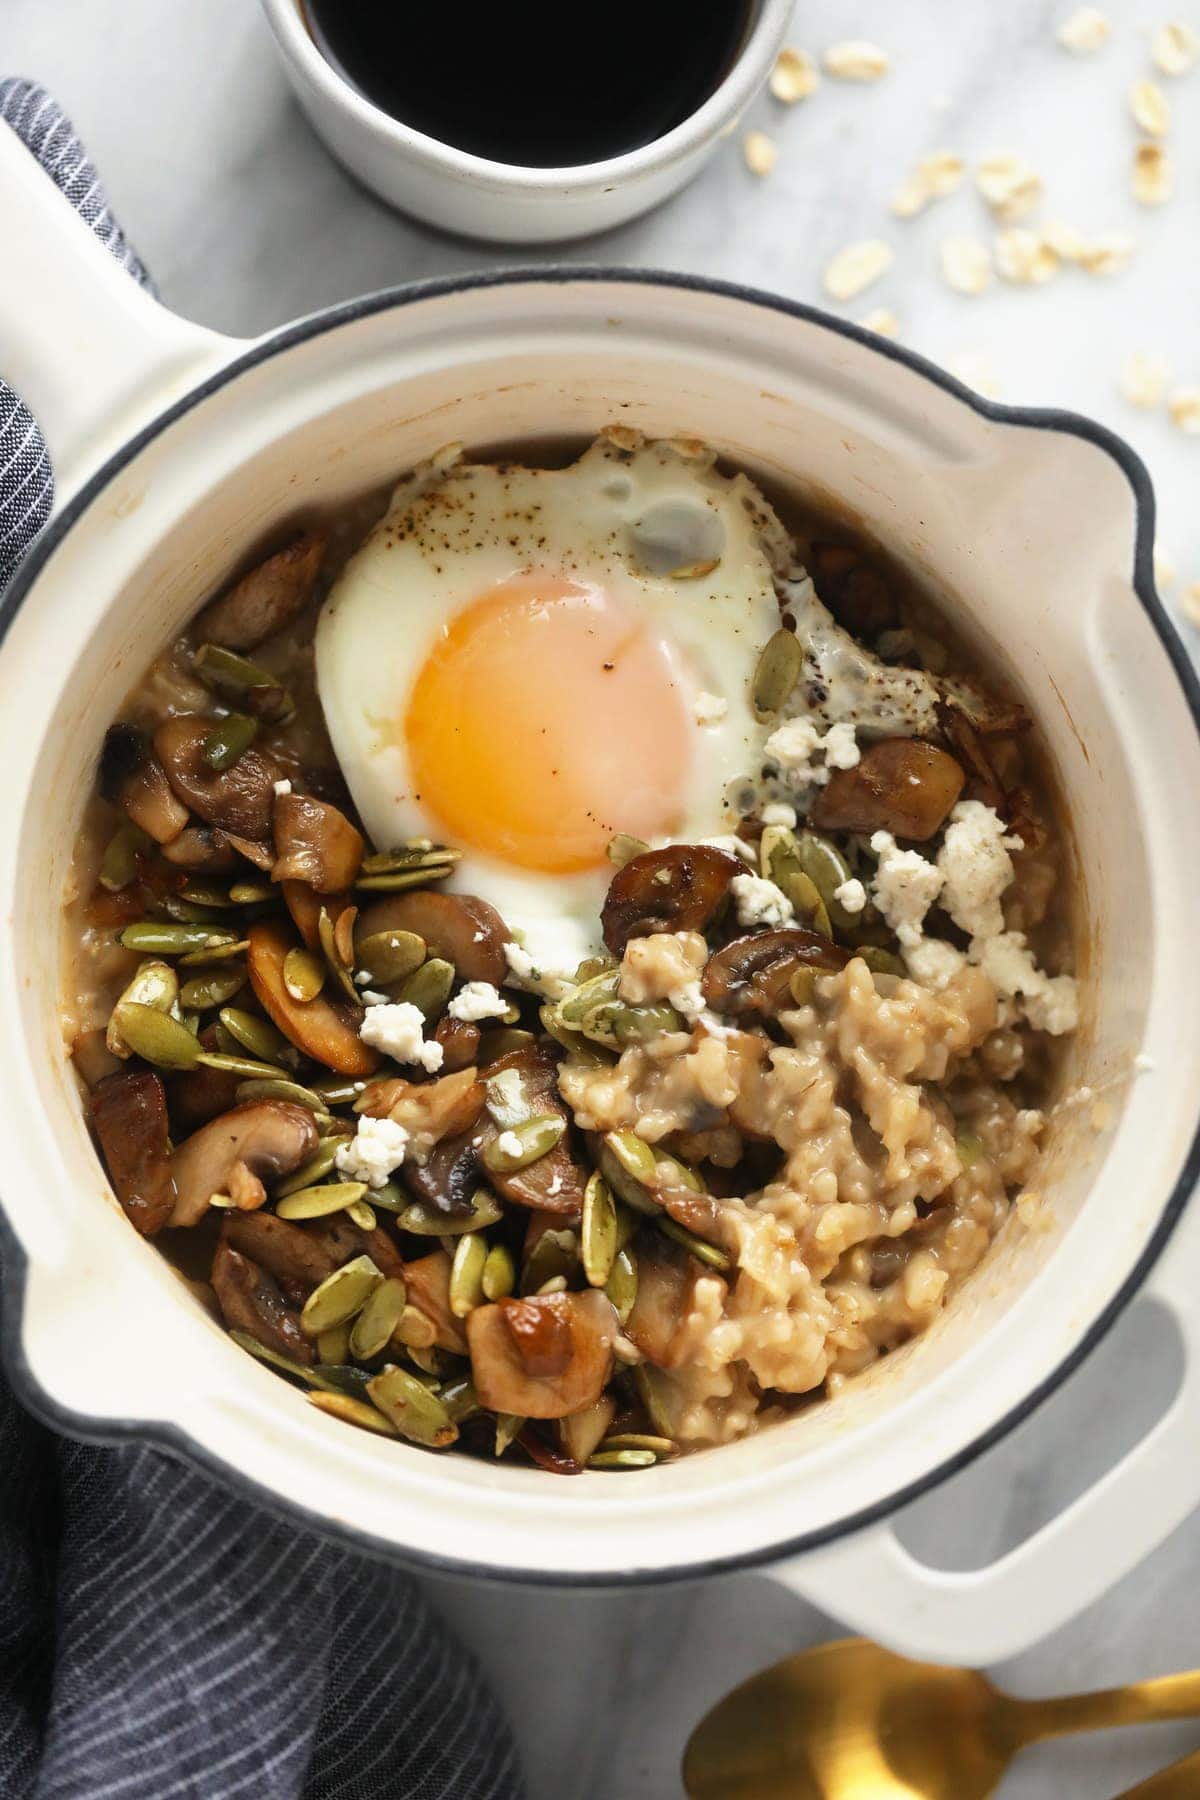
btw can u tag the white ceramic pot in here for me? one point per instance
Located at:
(180, 454)
(502, 201)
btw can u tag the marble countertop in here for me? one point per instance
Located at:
(246, 221)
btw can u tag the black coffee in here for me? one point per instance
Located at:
(545, 85)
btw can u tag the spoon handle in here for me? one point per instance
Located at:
(1141, 1703)
(1169, 1784)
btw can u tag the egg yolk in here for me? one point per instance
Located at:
(545, 719)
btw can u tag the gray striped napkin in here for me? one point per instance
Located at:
(158, 1637)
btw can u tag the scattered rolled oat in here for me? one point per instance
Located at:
(1086, 31)
(1150, 108)
(975, 369)
(856, 60)
(966, 264)
(856, 267)
(1144, 379)
(1164, 568)
(1184, 407)
(795, 76)
(759, 152)
(1153, 176)
(880, 320)
(1009, 185)
(1024, 256)
(1189, 605)
(1107, 254)
(935, 175)
(1174, 48)
(1067, 243)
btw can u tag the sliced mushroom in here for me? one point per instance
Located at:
(969, 748)
(291, 1253)
(555, 1182)
(260, 854)
(753, 974)
(266, 598)
(93, 1059)
(200, 847)
(901, 785)
(343, 1240)
(544, 1357)
(681, 888)
(657, 1323)
(305, 904)
(856, 594)
(428, 1110)
(546, 1455)
(250, 1301)
(460, 928)
(195, 1096)
(271, 1137)
(131, 778)
(238, 799)
(449, 1176)
(315, 843)
(325, 1028)
(459, 1039)
(428, 1284)
(129, 1113)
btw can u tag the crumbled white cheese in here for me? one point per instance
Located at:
(806, 756)
(734, 846)
(760, 902)
(283, 787)
(841, 751)
(374, 1152)
(1051, 1002)
(709, 709)
(370, 997)
(478, 1000)
(525, 973)
(687, 999)
(363, 978)
(976, 868)
(509, 1144)
(398, 1029)
(904, 889)
(778, 814)
(506, 1098)
(851, 895)
(934, 963)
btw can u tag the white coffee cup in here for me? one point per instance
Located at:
(506, 201)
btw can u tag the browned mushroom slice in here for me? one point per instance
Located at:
(343, 1240)
(260, 854)
(131, 778)
(304, 904)
(461, 928)
(459, 1039)
(93, 1059)
(555, 1182)
(315, 843)
(290, 1253)
(545, 1455)
(428, 1284)
(987, 712)
(325, 1029)
(901, 785)
(129, 1113)
(239, 799)
(657, 1323)
(856, 594)
(428, 1110)
(681, 888)
(752, 974)
(250, 1301)
(194, 1096)
(265, 599)
(970, 750)
(544, 1357)
(271, 1137)
(200, 847)
(448, 1178)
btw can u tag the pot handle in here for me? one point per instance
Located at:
(871, 1582)
(91, 353)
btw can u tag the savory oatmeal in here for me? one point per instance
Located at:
(572, 967)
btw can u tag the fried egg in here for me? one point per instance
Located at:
(524, 662)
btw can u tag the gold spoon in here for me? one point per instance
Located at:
(1180, 1782)
(851, 1721)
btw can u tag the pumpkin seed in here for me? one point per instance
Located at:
(226, 671)
(246, 1066)
(372, 1330)
(390, 955)
(460, 1399)
(969, 1148)
(188, 912)
(574, 1041)
(628, 1188)
(622, 1283)
(640, 1440)
(695, 1246)
(557, 1284)
(618, 1023)
(426, 1221)
(402, 879)
(779, 856)
(354, 1412)
(534, 1138)
(827, 869)
(159, 938)
(303, 974)
(881, 962)
(430, 1366)
(333, 1346)
(622, 848)
(777, 673)
(390, 1197)
(256, 1035)
(499, 1275)
(466, 1274)
(228, 739)
(603, 986)
(556, 1253)
(252, 893)
(362, 1214)
(653, 1388)
(119, 864)
(207, 893)
(273, 1358)
(326, 931)
(621, 1459)
(507, 1427)
(203, 992)
(417, 1414)
(335, 1090)
(215, 952)
(290, 1091)
(155, 984)
(681, 1175)
(500, 1040)
(428, 988)
(634, 1155)
(154, 1036)
(415, 1330)
(319, 1201)
(598, 1230)
(339, 1296)
(418, 853)
(802, 985)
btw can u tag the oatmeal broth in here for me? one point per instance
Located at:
(569, 965)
